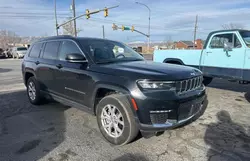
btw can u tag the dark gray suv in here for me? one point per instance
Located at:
(108, 79)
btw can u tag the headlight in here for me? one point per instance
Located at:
(164, 85)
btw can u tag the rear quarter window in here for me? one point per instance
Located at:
(35, 50)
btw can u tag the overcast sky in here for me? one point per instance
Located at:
(169, 19)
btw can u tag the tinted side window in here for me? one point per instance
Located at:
(35, 50)
(51, 49)
(68, 47)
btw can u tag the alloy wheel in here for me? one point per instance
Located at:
(112, 121)
(32, 91)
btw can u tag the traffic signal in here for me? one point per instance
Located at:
(87, 14)
(132, 28)
(123, 27)
(106, 13)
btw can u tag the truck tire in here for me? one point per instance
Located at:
(207, 80)
(33, 91)
(115, 119)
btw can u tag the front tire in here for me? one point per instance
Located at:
(33, 91)
(116, 120)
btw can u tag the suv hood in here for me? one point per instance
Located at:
(148, 70)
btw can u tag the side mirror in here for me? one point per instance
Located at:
(141, 54)
(228, 46)
(76, 58)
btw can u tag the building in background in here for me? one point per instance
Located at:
(177, 45)
(198, 44)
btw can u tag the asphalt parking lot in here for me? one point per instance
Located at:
(54, 132)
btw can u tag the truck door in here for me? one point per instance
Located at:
(218, 62)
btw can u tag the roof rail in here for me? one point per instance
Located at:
(55, 37)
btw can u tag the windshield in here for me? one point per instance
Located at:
(246, 37)
(21, 49)
(106, 51)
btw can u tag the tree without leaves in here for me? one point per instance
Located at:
(7, 38)
(232, 26)
(68, 28)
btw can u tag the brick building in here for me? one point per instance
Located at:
(189, 44)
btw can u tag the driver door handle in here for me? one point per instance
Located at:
(209, 51)
(59, 66)
(37, 62)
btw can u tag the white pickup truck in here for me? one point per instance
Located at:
(226, 54)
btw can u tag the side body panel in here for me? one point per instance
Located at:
(188, 57)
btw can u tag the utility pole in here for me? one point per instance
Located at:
(195, 30)
(56, 18)
(103, 32)
(74, 15)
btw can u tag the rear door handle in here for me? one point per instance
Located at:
(37, 62)
(59, 66)
(209, 51)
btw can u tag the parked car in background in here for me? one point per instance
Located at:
(110, 80)
(19, 52)
(8, 53)
(2, 55)
(226, 54)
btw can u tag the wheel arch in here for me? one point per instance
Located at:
(28, 73)
(108, 89)
(173, 61)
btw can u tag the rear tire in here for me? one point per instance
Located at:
(113, 111)
(207, 80)
(33, 91)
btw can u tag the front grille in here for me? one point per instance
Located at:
(189, 84)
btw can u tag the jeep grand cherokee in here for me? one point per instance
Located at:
(127, 94)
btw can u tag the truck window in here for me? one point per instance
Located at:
(218, 41)
(246, 37)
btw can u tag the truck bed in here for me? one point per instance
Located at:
(188, 57)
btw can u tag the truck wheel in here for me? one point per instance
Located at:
(33, 91)
(116, 120)
(207, 80)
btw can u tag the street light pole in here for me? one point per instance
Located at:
(149, 15)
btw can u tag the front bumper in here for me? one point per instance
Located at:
(162, 115)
